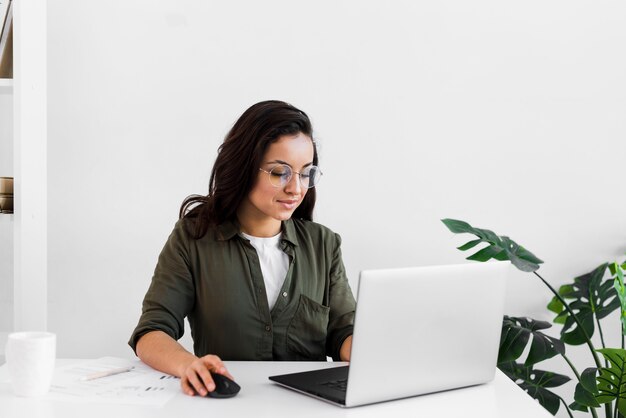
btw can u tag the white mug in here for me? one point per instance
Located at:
(30, 359)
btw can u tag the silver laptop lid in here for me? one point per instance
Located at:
(425, 329)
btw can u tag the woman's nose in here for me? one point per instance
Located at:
(294, 186)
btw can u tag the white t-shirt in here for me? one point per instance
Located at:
(274, 264)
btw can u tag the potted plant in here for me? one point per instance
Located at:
(579, 306)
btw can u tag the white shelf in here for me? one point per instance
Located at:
(28, 134)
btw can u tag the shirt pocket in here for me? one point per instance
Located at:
(306, 334)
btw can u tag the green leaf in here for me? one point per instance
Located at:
(456, 226)
(618, 285)
(556, 305)
(588, 379)
(535, 382)
(500, 247)
(526, 255)
(520, 257)
(524, 265)
(566, 290)
(607, 290)
(571, 333)
(486, 253)
(487, 235)
(516, 333)
(501, 256)
(575, 406)
(561, 318)
(612, 379)
(587, 389)
(469, 245)
(591, 298)
(585, 398)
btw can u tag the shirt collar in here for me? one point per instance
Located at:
(289, 232)
(229, 229)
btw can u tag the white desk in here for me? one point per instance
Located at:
(261, 398)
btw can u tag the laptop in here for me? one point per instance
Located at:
(416, 331)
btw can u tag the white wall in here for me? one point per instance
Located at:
(509, 115)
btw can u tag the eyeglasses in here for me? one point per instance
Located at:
(280, 175)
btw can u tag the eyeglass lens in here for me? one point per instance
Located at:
(280, 176)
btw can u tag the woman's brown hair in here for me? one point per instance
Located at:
(238, 161)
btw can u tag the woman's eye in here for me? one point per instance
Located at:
(277, 174)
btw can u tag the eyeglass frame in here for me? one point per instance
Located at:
(299, 173)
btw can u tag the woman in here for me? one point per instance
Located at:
(256, 278)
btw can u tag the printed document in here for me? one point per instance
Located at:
(102, 380)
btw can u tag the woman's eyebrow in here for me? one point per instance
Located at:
(286, 163)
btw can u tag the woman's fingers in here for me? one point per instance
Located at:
(205, 376)
(197, 377)
(184, 385)
(201, 387)
(216, 365)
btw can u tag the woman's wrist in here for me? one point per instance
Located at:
(346, 348)
(185, 360)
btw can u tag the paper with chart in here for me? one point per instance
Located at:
(141, 385)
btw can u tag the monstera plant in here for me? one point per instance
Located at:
(579, 307)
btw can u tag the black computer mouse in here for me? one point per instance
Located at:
(224, 387)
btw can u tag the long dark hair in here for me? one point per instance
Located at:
(238, 161)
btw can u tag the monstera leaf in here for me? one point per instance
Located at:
(612, 379)
(590, 296)
(500, 247)
(516, 333)
(586, 391)
(618, 283)
(535, 382)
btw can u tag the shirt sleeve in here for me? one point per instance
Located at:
(342, 304)
(170, 296)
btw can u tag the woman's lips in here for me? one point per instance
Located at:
(288, 204)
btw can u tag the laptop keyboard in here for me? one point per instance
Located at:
(340, 384)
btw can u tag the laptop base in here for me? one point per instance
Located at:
(320, 384)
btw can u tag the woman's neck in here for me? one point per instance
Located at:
(263, 228)
(254, 222)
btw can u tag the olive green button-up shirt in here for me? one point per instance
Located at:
(216, 282)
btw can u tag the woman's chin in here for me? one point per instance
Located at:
(283, 215)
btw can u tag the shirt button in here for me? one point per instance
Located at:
(268, 328)
(284, 294)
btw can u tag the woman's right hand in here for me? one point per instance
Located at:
(161, 352)
(195, 377)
